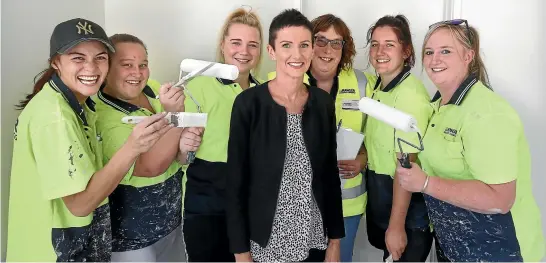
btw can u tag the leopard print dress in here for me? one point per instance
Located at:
(297, 225)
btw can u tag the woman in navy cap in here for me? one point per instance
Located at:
(59, 186)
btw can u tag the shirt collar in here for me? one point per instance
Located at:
(397, 80)
(460, 94)
(229, 82)
(335, 85)
(124, 106)
(58, 85)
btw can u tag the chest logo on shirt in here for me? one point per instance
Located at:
(450, 131)
(347, 91)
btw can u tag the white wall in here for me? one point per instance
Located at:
(26, 29)
(174, 30)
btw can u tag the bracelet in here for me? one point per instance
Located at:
(425, 185)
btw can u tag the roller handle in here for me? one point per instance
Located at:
(190, 157)
(404, 160)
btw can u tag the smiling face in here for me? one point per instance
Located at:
(241, 47)
(386, 52)
(293, 51)
(445, 59)
(129, 71)
(326, 59)
(83, 68)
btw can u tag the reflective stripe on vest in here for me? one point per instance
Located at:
(355, 187)
(362, 82)
(356, 191)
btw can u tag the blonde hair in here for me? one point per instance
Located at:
(470, 40)
(244, 17)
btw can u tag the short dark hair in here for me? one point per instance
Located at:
(288, 18)
(400, 26)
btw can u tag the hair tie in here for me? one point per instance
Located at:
(247, 6)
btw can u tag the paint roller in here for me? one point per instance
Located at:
(395, 118)
(203, 68)
(217, 70)
(196, 68)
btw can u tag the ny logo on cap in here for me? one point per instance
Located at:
(85, 27)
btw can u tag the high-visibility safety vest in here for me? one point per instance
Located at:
(352, 86)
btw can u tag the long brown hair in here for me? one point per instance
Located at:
(39, 81)
(323, 23)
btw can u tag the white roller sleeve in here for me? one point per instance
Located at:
(393, 117)
(219, 70)
(183, 119)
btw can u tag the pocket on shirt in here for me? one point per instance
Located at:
(454, 158)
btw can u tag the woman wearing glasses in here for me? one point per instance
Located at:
(331, 70)
(476, 173)
(397, 220)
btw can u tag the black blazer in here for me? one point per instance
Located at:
(256, 152)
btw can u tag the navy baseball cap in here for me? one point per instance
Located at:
(68, 34)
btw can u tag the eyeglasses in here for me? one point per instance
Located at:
(336, 44)
(455, 22)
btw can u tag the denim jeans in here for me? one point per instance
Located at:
(348, 242)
